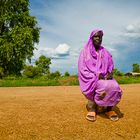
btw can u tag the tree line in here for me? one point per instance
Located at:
(41, 68)
(135, 68)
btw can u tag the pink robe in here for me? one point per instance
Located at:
(90, 65)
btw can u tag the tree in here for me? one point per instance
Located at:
(66, 74)
(117, 72)
(1, 73)
(18, 34)
(44, 64)
(136, 67)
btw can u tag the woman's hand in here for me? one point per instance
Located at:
(101, 77)
(109, 76)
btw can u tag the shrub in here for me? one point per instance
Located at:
(116, 72)
(66, 74)
(55, 74)
(31, 71)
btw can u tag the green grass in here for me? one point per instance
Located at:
(127, 79)
(28, 82)
(62, 81)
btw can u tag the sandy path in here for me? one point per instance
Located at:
(50, 113)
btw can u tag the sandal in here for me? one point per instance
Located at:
(91, 116)
(112, 116)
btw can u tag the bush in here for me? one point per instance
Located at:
(66, 74)
(31, 71)
(117, 73)
(55, 74)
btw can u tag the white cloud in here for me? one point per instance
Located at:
(130, 28)
(62, 50)
(133, 30)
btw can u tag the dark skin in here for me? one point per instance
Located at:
(97, 41)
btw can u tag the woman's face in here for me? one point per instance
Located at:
(97, 38)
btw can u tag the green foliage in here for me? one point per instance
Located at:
(12, 77)
(43, 64)
(31, 71)
(18, 34)
(67, 81)
(136, 67)
(66, 74)
(28, 82)
(116, 72)
(54, 75)
(74, 82)
(41, 68)
(127, 79)
(1, 73)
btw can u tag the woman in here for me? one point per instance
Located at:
(95, 67)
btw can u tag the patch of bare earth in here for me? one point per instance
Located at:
(50, 113)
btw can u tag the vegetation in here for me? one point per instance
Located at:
(31, 71)
(67, 73)
(116, 72)
(41, 68)
(127, 79)
(18, 34)
(136, 67)
(43, 63)
(54, 75)
(61, 81)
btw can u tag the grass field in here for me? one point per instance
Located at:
(61, 81)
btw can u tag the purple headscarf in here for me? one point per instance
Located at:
(91, 64)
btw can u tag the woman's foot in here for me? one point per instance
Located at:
(91, 116)
(112, 115)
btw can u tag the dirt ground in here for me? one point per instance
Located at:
(58, 113)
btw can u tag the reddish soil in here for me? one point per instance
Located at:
(58, 113)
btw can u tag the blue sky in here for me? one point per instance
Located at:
(67, 24)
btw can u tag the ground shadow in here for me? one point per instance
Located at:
(116, 109)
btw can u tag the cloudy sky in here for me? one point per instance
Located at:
(67, 24)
